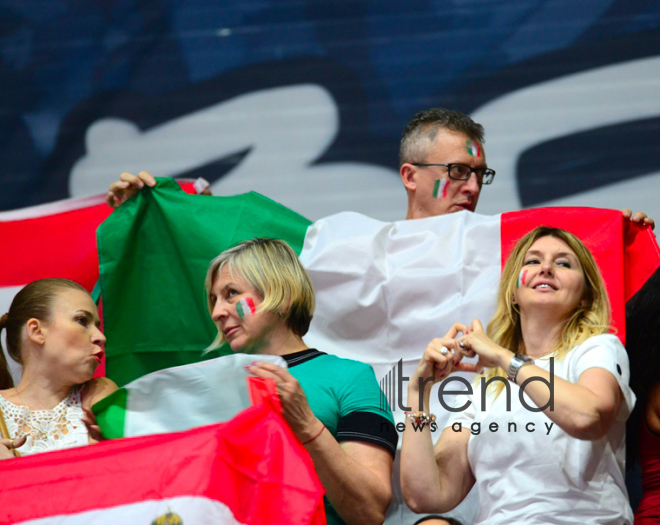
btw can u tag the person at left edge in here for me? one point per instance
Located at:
(52, 329)
(262, 301)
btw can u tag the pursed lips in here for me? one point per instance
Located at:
(228, 331)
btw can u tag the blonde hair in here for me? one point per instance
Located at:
(274, 271)
(33, 301)
(591, 317)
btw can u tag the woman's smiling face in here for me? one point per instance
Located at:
(551, 277)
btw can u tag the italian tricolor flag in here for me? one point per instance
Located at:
(250, 470)
(182, 397)
(384, 289)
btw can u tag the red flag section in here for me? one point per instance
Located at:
(54, 240)
(253, 468)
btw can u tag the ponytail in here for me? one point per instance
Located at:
(6, 380)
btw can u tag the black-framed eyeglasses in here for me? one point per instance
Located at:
(463, 172)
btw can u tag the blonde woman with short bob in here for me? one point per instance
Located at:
(262, 301)
(549, 444)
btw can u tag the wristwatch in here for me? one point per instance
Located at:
(517, 361)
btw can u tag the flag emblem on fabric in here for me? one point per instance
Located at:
(168, 519)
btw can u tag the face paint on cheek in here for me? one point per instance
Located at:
(472, 148)
(440, 188)
(245, 307)
(521, 278)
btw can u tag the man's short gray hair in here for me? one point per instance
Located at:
(419, 134)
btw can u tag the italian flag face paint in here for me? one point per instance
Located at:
(440, 188)
(245, 307)
(521, 278)
(473, 148)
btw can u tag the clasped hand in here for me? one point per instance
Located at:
(294, 403)
(444, 355)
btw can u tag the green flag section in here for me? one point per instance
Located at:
(251, 469)
(180, 398)
(154, 251)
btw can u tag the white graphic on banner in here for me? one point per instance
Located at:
(286, 129)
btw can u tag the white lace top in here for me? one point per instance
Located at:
(55, 429)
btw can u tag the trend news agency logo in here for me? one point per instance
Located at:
(392, 385)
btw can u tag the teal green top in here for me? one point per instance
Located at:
(345, 396)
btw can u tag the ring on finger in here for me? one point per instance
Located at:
(461, 344)
(444, 350)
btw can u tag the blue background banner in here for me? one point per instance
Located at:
(305, 101)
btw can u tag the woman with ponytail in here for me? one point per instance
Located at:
(52, 330)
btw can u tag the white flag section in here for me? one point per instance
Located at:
(385, 289)
(180, 398)
(190, 510)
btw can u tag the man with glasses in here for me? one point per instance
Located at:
(443, 164)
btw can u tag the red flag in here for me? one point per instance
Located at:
(251, 470)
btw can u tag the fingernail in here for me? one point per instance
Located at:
(247, 367)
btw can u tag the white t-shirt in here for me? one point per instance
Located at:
(530, 471)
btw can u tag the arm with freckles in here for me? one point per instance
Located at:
(584, 410)
(355, 475)
(434, 479)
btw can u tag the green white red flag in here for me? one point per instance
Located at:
(250, 470)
